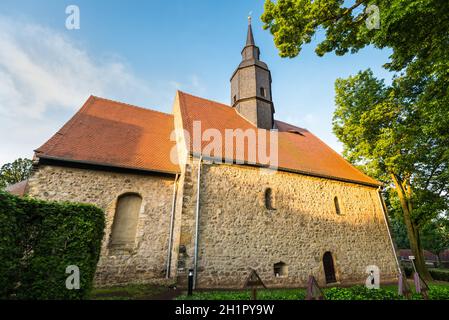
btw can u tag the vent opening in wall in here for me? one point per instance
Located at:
(269, 199)
(124, 225)
(337, 206)
(280, 269)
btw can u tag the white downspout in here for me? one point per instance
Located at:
(172, 219)
(197, 224)
(388, 229)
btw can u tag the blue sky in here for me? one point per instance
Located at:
(140, 52)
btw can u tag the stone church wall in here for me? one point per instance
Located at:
(147, 260)
(237, 232)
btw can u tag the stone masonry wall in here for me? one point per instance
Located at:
(237, 232)
(147, 261)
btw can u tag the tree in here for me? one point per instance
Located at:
(397, 141)
(436, 235)
(14, 172)
(397, 133)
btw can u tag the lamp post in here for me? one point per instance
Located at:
(190, 283)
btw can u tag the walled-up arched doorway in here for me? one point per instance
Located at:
(329, 269)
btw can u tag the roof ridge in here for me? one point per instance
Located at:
(291, 125)
(130, 105)
(217, 102)
(213, 101)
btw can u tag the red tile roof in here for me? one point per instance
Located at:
(106, 132)
(298, 149)
(429, 256)
(111, 133)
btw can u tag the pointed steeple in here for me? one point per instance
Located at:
(251, 86)
(250, 51)
(250, 37)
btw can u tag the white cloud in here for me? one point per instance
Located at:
(45, 77)
(192, 85)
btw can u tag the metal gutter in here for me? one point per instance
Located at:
(197, 224)
(103, 164)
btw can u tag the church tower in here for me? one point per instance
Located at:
(251, 86)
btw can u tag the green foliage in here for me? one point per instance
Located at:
(399, 233)
(129, 292)
(262, 294)
(40, 239)
(436, 292)
(360, 293)
(435, 234)
(11, 242)
(395, 138)
(17, 171)
(416, 30)
(440, 274)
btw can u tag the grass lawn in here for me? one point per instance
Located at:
(129, 292)
(439, 290)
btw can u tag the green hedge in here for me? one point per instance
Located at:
(438, 274)
(39, 240)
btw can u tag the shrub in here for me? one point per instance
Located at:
(52, 236)
(11, 246)
(438, 293)
(360, 293)
(408, 271)
(437, 274)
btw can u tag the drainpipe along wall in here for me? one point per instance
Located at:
(197, 223)
(172, 219)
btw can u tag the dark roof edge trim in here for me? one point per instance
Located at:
(306, 173)
(103, 165)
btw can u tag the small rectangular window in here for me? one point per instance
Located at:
(262, 92)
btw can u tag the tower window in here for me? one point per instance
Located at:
(337, 206)
(262, 92)
(269, 199)
(234, 99)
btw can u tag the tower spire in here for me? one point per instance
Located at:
(251, 86)
(250, 51)
(250, 37)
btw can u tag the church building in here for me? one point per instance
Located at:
(173, 204)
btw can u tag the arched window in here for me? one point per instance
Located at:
(337, 206)
(269, 199)
(280, 269)
(124, 226)
(329, 270)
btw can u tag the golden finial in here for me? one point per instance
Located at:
(249, 17)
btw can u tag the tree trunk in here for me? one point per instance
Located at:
(404, 193)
